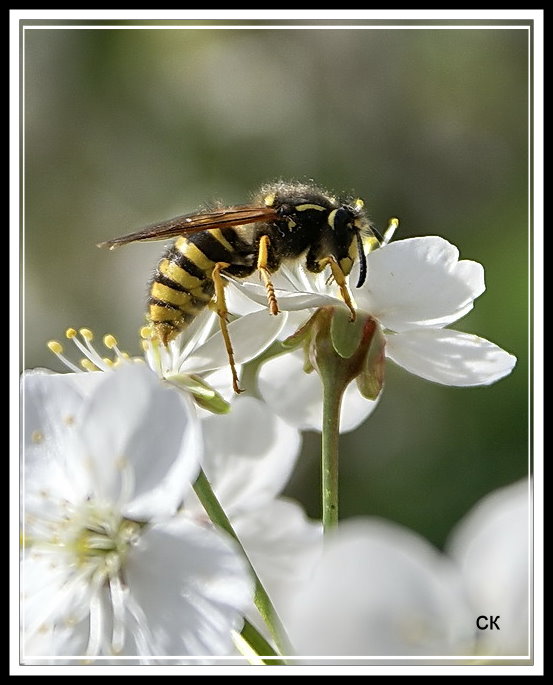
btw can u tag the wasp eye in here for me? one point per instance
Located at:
(340, 219)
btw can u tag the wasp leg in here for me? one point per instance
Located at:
(340, 279)
(262, 260)
(221, 308)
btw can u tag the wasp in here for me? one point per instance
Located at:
(284, 222)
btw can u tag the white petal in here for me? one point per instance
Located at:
(380, 590)
(238, 301)
(221, 381)
(298, 397)
(491, 544)
(291, 294)
(52, 403)
(419, 282)
(282, 544)
(191, 586)
(449, 357)
(249, 334)
(249, 455)
(135, 422)
(54, 606)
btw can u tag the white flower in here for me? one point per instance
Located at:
(492, 548)
(196, 361)
(109, 565)
(414, 288)
(380, 590)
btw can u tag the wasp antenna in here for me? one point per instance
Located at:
(377, 234)
(362, 260)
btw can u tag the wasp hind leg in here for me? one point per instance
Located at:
(221, 309)
(262, 261)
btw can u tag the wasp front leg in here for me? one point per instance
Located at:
(262, 267)
(339, 276)
(221, 309)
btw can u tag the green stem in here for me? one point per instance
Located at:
(260, 645)
(207, 497)
(332, 401)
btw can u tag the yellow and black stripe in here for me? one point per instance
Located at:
(183, 283)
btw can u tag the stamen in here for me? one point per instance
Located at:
(88, 365)
(92, 361)
(393, 224)
(95, 625)
(87, 334)
(110, 341)
(92, 354)
(55, 347)
(146, 332)
(88, 351)
(117, 593)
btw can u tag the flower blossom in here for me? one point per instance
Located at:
(491, 546)
(196, 361)
(414, 289)
(110, 567)
(381, 590)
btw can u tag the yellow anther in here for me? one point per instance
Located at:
(55, 347)
(70, 333)
(108, 362)
(37, 437)
(88, 365)
(359, 203)
(110, 341)
(146, 332)
(393, 223)
(87, 334)
(125, 355)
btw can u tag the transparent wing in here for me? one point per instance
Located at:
(193, 223)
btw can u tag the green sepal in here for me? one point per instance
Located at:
(302, 334)
(370, 380)
(345, 334)
(204, 395)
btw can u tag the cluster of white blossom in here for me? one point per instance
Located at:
(120, 558)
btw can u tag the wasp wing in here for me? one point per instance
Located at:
(194, 223)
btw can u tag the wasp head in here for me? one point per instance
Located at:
(348, 223)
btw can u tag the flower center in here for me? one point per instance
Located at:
(88, 544)
(93, 539)
(102, 540)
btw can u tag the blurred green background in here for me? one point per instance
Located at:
(127, 126)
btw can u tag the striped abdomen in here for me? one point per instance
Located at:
(183, 284)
